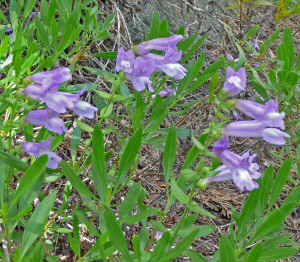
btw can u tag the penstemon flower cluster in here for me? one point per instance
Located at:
(139, 64)
(266, 122)
(57, 102)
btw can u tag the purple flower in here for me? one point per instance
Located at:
(255, 128)
(125, 60)
(221, 144)
(47, 118)
(167, 92)
(46, 90)
(274, 136)
(39, 149)
(85, 109)
(168, 63)
(229, 56)
(238, 168)
(52, 78)
(256, 46)
(60, 101)
(143, 68)
(10, 32)
(255, 65)
(251, 128)
(35, 13)
(158, 235)
(267, 114)
(158, 44)
(235, 81)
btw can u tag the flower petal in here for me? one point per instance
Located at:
(85, 109)
(274, 136)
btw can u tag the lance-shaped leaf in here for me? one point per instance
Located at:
(99, 171)
(37, 222)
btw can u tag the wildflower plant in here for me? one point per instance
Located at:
(71, 154)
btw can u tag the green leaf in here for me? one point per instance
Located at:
(161, 247)
(226, 250)
(265, 187)
(207, 74)
(204, 230)
(192, 74)
(194, 255)
(278, 253)
(37, 222)
(251, 32)
(158, 115)
(255, 253)
(83, 219)
(287, 39)
(140, 216)
(170, 153)
(75, 180)
(163, 30)
(186, 43)
(196, 208)
(42, 33)
(248, 212)
(107, 55)
(194, 49)
(27, 9)
(277, 216)
(99, 72)
(280, 180)
(194, 152)
(75, 141)
(181, 246)
(275, 241)
(117, 98)
(29, 178)
(180, 132)
(178, 193)
(292, 78)
(99, 171)
(272, 38)
(260, 89)
(13, 161)
(137, 247)
(115, 233)
(129, 154)
(154, 26)
(13, 13)
(130, 200)
(84, 126)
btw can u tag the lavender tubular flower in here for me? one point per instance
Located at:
(251, 128)
(158, 44)
(255, 128)
(39, 149)
(85, 109)
(167, 92)
(238, 168)
(256, 46)
(143, 68)
(125, 60)
(58, 75)
(60, 102)
(221, 144)
(229, 56)
(235, 81)
(274, 136)
(267, 114)
(168, 63)
(47, 118)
